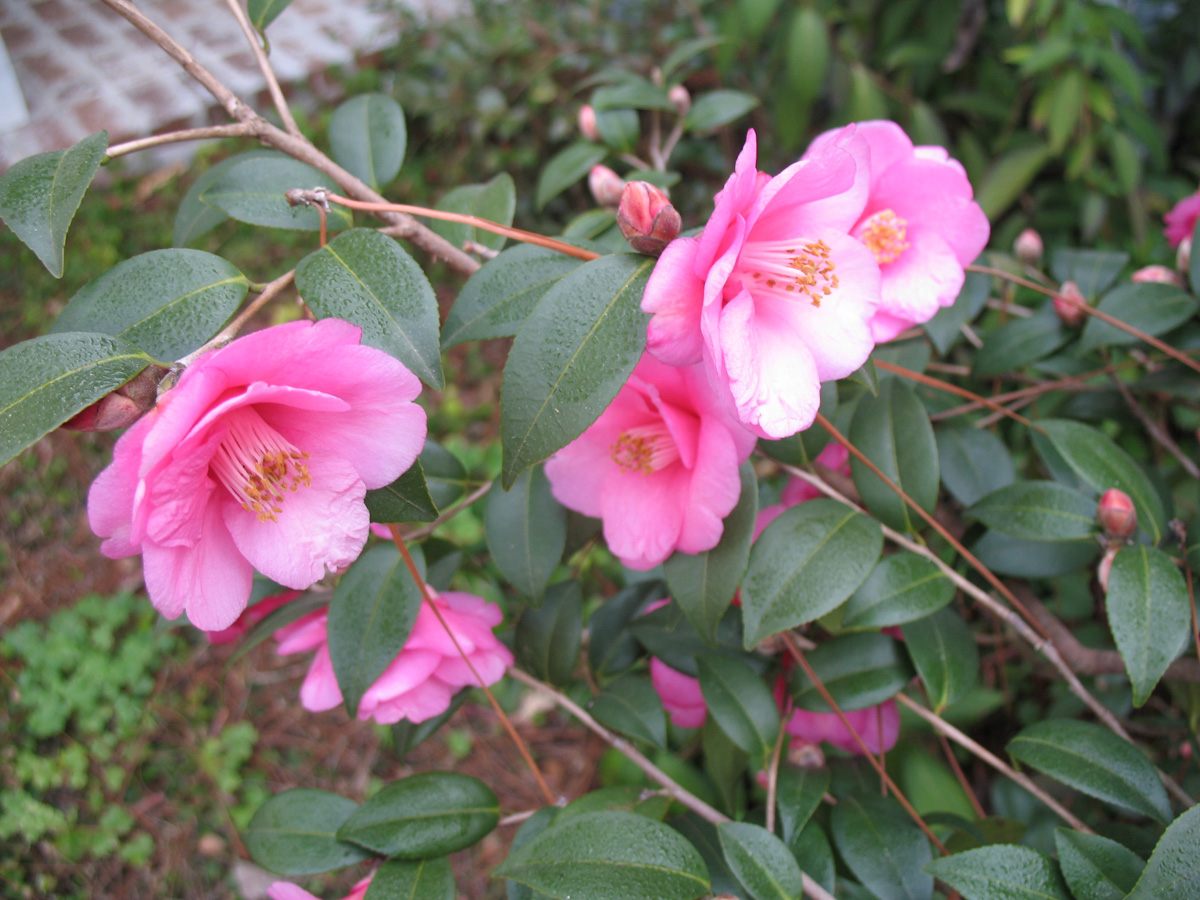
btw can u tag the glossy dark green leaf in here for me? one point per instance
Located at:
(713, 109)
(703, 836)
(547, 641)
(704, 584)
(1019, 343)
(797, 797)
(1009, 176)
(495, 200)
(530, 828)
(667, 634)
(1101, 464)
(760, 861)
(575, 351)
(1149, 613)
(866, 376)
(565, 168)
(1096, 868)
(419, 879)
(740, 702)
(1149, 306)
(1008, 555)
(404, 500)
(526, 531)
(39, 196)
(406, 735)
(943, 651)
(893, 431)
(1092, 270)
(1001, 872)
(46, 380)
(883, 847)
(814, 853)
(805, 564)
(685, 51)
(371, 615)
(631, 706)
(725, 765)
(367, 278)
(973, 461)
(254, 190)
(168, 302)
(901, 588)
(806, 53)
(424, 815)
(195, 217)
(1037, 511)
(1174, 867)
(859, 670)
(611, 646)
(632, 93)
(368, 138)
(263, 12)
(295, 833)
(445, 475)
(602, 855)
(945, 328)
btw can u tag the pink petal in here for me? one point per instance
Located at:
(643, 514)
(426, 700)
(320, 690)
(405, 672)
(713, 490)
(285, 890)
(673, 297)
(680, 695)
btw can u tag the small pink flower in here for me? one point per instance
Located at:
(659, 467)
(285, 890)
(1181, 220)
(424, 676)
(870, 723)
(920, 222)
(774, 296)
(250, 617)
(258, 459)
(680, 695)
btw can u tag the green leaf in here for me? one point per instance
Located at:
(445, 476)
(424, 815)
(685, 51)
(1096, 868)
(254, 190)
(547, 640)
(883, 847)
(1150, 307)
(168, 302)
(1001, 872)
(368, 138)
(574, 353)
(1101, 465)
(716, 108)
(367, 278)
(46, 380)
(632, 93)
(1174, 867)
(859, 670)
(1092, 270)
(618, 129)
(530, 828)
(632, 706)
(565, 168)
(943, 651)
(893, 431)
(866, 376)
(611, 646)
(404, 500)
(1008, 555)
(797, 797)
(421, 879)
(495, 200)
(1037, 511)
(1149, 613)
(806, 53)
(667, 634)
(760, 861)
(602, 855)
(945, 328)
(1008, 178)
(498, 298)
(295, 833)
(740, 701)
(526, 531)
(805, 564)
(371, 615)
(263, 12)
(39, 196)
(1020, 342)
(815, 855)
(901, 588)
(195, 217)
(974, 462)
(704, 584)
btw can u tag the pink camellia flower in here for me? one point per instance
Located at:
(424, 676)
(815, 727)
(1156, 274)
(1181, 220)
(834, 457)
(285, 890)
(920, 222)
(774, 296)
(680, 695)
(258, 459)
(659, 467)
(250, 617)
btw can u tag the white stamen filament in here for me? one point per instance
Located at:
(257, 466)
(789, 269)
(645, 449)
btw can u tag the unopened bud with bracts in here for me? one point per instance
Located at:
(680, 98)
(1028, 246)
(647, 218)
(122, 407)
(1160, 274)
(1183, 256)
(587, 123)
(606, 186)
(1116, 515)
(1069, 303)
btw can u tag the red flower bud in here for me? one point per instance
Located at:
(1070, 313)
(1160, 274)
(122, 407)
(1028, 246)
(681, 98)
(606, 186)
(647, 218)
(587, 123)
(1116, 515)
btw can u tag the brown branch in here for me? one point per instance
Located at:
(264, 66)
(237, 129)
(947, 387)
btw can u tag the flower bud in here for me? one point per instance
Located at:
(1183, 256)
(1160, 274)
(122, 407)
(1116, 515)
(647, 218)
(681, 98)
(587, 123)
(1105, 567)
(606, 186)
(1070, 314)
(1028, 246)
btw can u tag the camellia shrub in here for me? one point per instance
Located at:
(865, 543)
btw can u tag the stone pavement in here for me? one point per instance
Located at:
(82, 68)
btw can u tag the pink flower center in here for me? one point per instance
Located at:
(645, 449)
(790, 268)
(257, 466)
(885, 235)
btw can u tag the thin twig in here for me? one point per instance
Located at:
(449, 513)
(1156, 431)
(949, 388)
(773, 774)
(236, 129)
(264, 66)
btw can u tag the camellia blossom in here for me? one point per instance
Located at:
(659, 466)
(920, 222)
(834, 457)
(774, 296)
(1181, 220)
(680, 695)
(878, 726)
(285, 890)
(423, 678)
(259, 458)
(250, 617)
